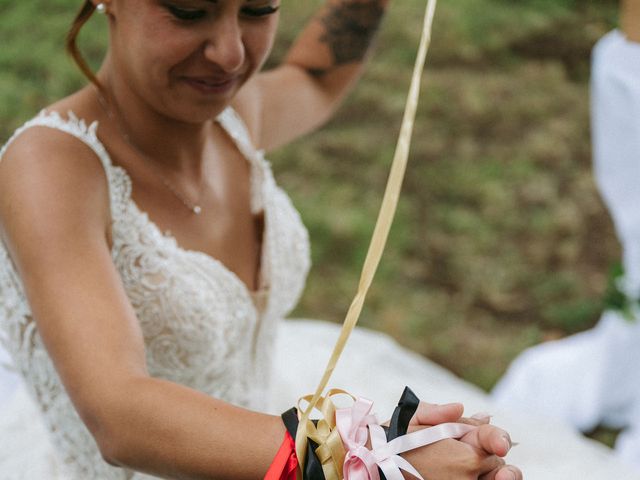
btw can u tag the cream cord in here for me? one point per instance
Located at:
(383, 225)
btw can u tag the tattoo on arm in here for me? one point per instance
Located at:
(349, 29)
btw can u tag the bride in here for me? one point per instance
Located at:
(148, 257)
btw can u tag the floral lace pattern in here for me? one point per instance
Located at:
(201, 326)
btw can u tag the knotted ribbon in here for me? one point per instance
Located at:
(352, 424)
(330, 451)
(362, 463)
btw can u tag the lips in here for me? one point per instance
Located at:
(212, 85)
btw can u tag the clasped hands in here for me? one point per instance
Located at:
(478, 455)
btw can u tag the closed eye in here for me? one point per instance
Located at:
(186, 13)
(260, 11)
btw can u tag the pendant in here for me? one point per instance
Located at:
(197, 209)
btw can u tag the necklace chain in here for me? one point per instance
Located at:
(192, 207)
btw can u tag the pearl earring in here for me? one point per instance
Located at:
(101, 7)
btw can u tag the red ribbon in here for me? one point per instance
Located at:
(285, 463)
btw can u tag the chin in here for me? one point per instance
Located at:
(200, 116)
(195, 112)
(195, 107)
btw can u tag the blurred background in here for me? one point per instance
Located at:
(500, 241)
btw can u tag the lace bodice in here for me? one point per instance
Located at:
(202, 327)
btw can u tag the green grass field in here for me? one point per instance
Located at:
(501, 240)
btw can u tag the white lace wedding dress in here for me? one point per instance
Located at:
(204, 329)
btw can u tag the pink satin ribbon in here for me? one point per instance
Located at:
(355, 423)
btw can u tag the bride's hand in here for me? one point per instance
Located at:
(488, 443)
(456, 460)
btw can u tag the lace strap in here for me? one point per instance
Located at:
(73, 126)
(261, 174)
(238, 131)
(118, 189)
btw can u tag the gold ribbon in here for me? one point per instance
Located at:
(376, 247)
(330, 449)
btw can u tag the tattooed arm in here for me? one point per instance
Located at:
(325, 61)
(341, 34)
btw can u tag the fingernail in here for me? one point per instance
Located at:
(507, 442)
(481, 416)
(512, 474)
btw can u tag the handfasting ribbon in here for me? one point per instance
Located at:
(330, 451)
(403, 413)
(312, 467)
(285, 463)
(381, 231)
(387, 455)
(354, 425)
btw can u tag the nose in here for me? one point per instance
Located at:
(225, 46)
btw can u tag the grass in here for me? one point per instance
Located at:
(501, 239)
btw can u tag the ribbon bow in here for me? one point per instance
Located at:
(352, 424)
(330, 451)
(362, 464)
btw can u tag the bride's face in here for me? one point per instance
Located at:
(188, 58)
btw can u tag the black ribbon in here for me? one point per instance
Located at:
(312, 468)
(402, 415)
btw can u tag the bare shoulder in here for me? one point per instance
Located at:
(50, 180)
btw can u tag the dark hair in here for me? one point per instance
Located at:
(71, 42)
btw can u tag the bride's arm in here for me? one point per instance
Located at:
(630, 19)
(54, 213)
(55, 221)
(318, 71)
